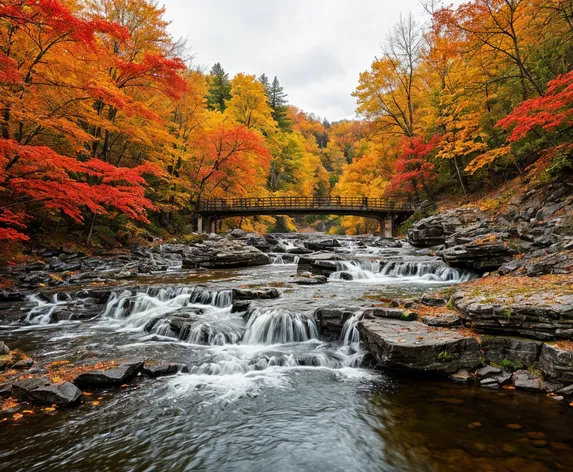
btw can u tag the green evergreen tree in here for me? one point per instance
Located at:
(219, 88)
(279, 105)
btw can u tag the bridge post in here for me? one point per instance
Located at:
(200, 225)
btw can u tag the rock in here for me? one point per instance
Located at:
(5, 390)
(263, 294)
(241, 306)
(391, 313)
(107, 378)
(237, 233)
(316, 280)
(482, 253)
(528, 315)
(498, 349)
(565, 391)
(162, 370)
(431, 300)
(556, 364)
(11, 296)
(272, 240)
(487, 371)
(330, 321)
(44, 391)
(434, 230)
(23, 364)
(299, 251)
(417, 347)
(322, 244)
(223, 254)
(445, 320)
(525, 380)
(489, 382)
(462, 376)
(4, 349)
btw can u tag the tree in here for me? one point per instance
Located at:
(279, 105)
(413, 170)
(386, 93)
(219, 89)
(249, 106)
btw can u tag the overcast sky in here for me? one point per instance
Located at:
(317, 48)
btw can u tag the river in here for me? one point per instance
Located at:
(263, 391)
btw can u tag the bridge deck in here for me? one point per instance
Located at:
(391, 210)
(304, 204)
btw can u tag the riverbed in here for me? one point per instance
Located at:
(263, 391)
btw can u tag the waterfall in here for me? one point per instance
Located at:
(395, 271)
(279, 326)
(46, 308)
(284, 259)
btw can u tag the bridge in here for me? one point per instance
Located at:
(390, 212)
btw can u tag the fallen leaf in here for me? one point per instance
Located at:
(30, 412)
(50, 408)
(87, 394)
(17, 416)
(96, 403)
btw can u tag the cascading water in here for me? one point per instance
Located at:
(397, 272)
(286, 259)
(279, 326)
(46, 309)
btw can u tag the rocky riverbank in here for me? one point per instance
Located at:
(513, 328)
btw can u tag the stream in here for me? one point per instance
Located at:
(263, 391)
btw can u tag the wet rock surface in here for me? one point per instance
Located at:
(44, 391)
(108, 378)
(415, 346)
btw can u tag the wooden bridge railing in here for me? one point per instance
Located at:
(302, 203)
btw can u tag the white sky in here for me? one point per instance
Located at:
(317, 48)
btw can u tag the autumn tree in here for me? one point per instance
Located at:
(249, 106)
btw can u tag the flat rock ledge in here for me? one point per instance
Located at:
(491, 361)
(532, 316)
(410, 345)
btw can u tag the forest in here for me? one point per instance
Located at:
(110, 134)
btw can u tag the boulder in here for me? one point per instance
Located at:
(5, 390)
(263, 294)
(482, 254)
(23, 364)
(223, 254)
(487, 371)
(44, 391)
(434, 230)
(391, 313)
(432, 300)
(241, 306)
(108, 378)
(4, 349)
(330, 321)
(526, 380)
(556, 364)
(322, 244)
(161, 370)
(414, 346)
(11, 296)
(312, 280)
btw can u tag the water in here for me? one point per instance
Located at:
(263, 391)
